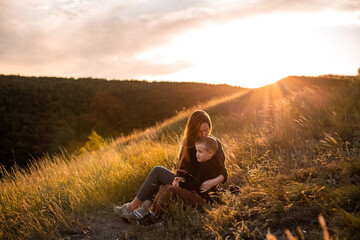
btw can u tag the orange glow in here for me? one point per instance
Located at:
(242, 43)
(253, 52)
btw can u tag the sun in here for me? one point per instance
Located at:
(250, 52)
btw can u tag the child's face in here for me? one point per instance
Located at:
(202, 154)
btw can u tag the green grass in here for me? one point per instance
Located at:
(294, 153)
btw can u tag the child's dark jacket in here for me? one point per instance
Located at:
(197, 175)
(217, 162)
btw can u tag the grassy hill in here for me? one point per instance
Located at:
(293, 147)
(44, 115)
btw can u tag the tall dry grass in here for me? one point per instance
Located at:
(54, 195)
(294, 153)
(296, 158)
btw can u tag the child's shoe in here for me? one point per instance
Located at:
(149, 219)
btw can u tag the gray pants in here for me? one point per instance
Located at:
(157, 177)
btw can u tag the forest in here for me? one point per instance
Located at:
(47, 115)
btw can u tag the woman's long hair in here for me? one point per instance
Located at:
(191, 133)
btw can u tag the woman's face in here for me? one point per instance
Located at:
(204, 130)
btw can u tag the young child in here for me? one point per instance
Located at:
(186, 185)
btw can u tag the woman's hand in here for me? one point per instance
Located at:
(177, 180)
(205, 186)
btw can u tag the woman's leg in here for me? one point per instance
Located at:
(157, 177)
(135, 203)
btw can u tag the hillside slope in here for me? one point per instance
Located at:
(42, 115)
(293, 147)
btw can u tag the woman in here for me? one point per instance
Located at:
(198, 125)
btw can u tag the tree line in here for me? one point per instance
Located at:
(41, 115)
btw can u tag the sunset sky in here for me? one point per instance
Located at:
(247, 43)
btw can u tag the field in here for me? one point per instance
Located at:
(293, 148)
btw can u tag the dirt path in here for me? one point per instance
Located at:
(105, 225)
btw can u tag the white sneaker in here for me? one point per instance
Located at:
(135, 215)
(124, 209)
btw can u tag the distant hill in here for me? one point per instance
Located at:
(40, 115)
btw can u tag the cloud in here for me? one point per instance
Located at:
(83, 37)
(90, 40)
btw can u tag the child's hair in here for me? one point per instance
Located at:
(210, 143)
